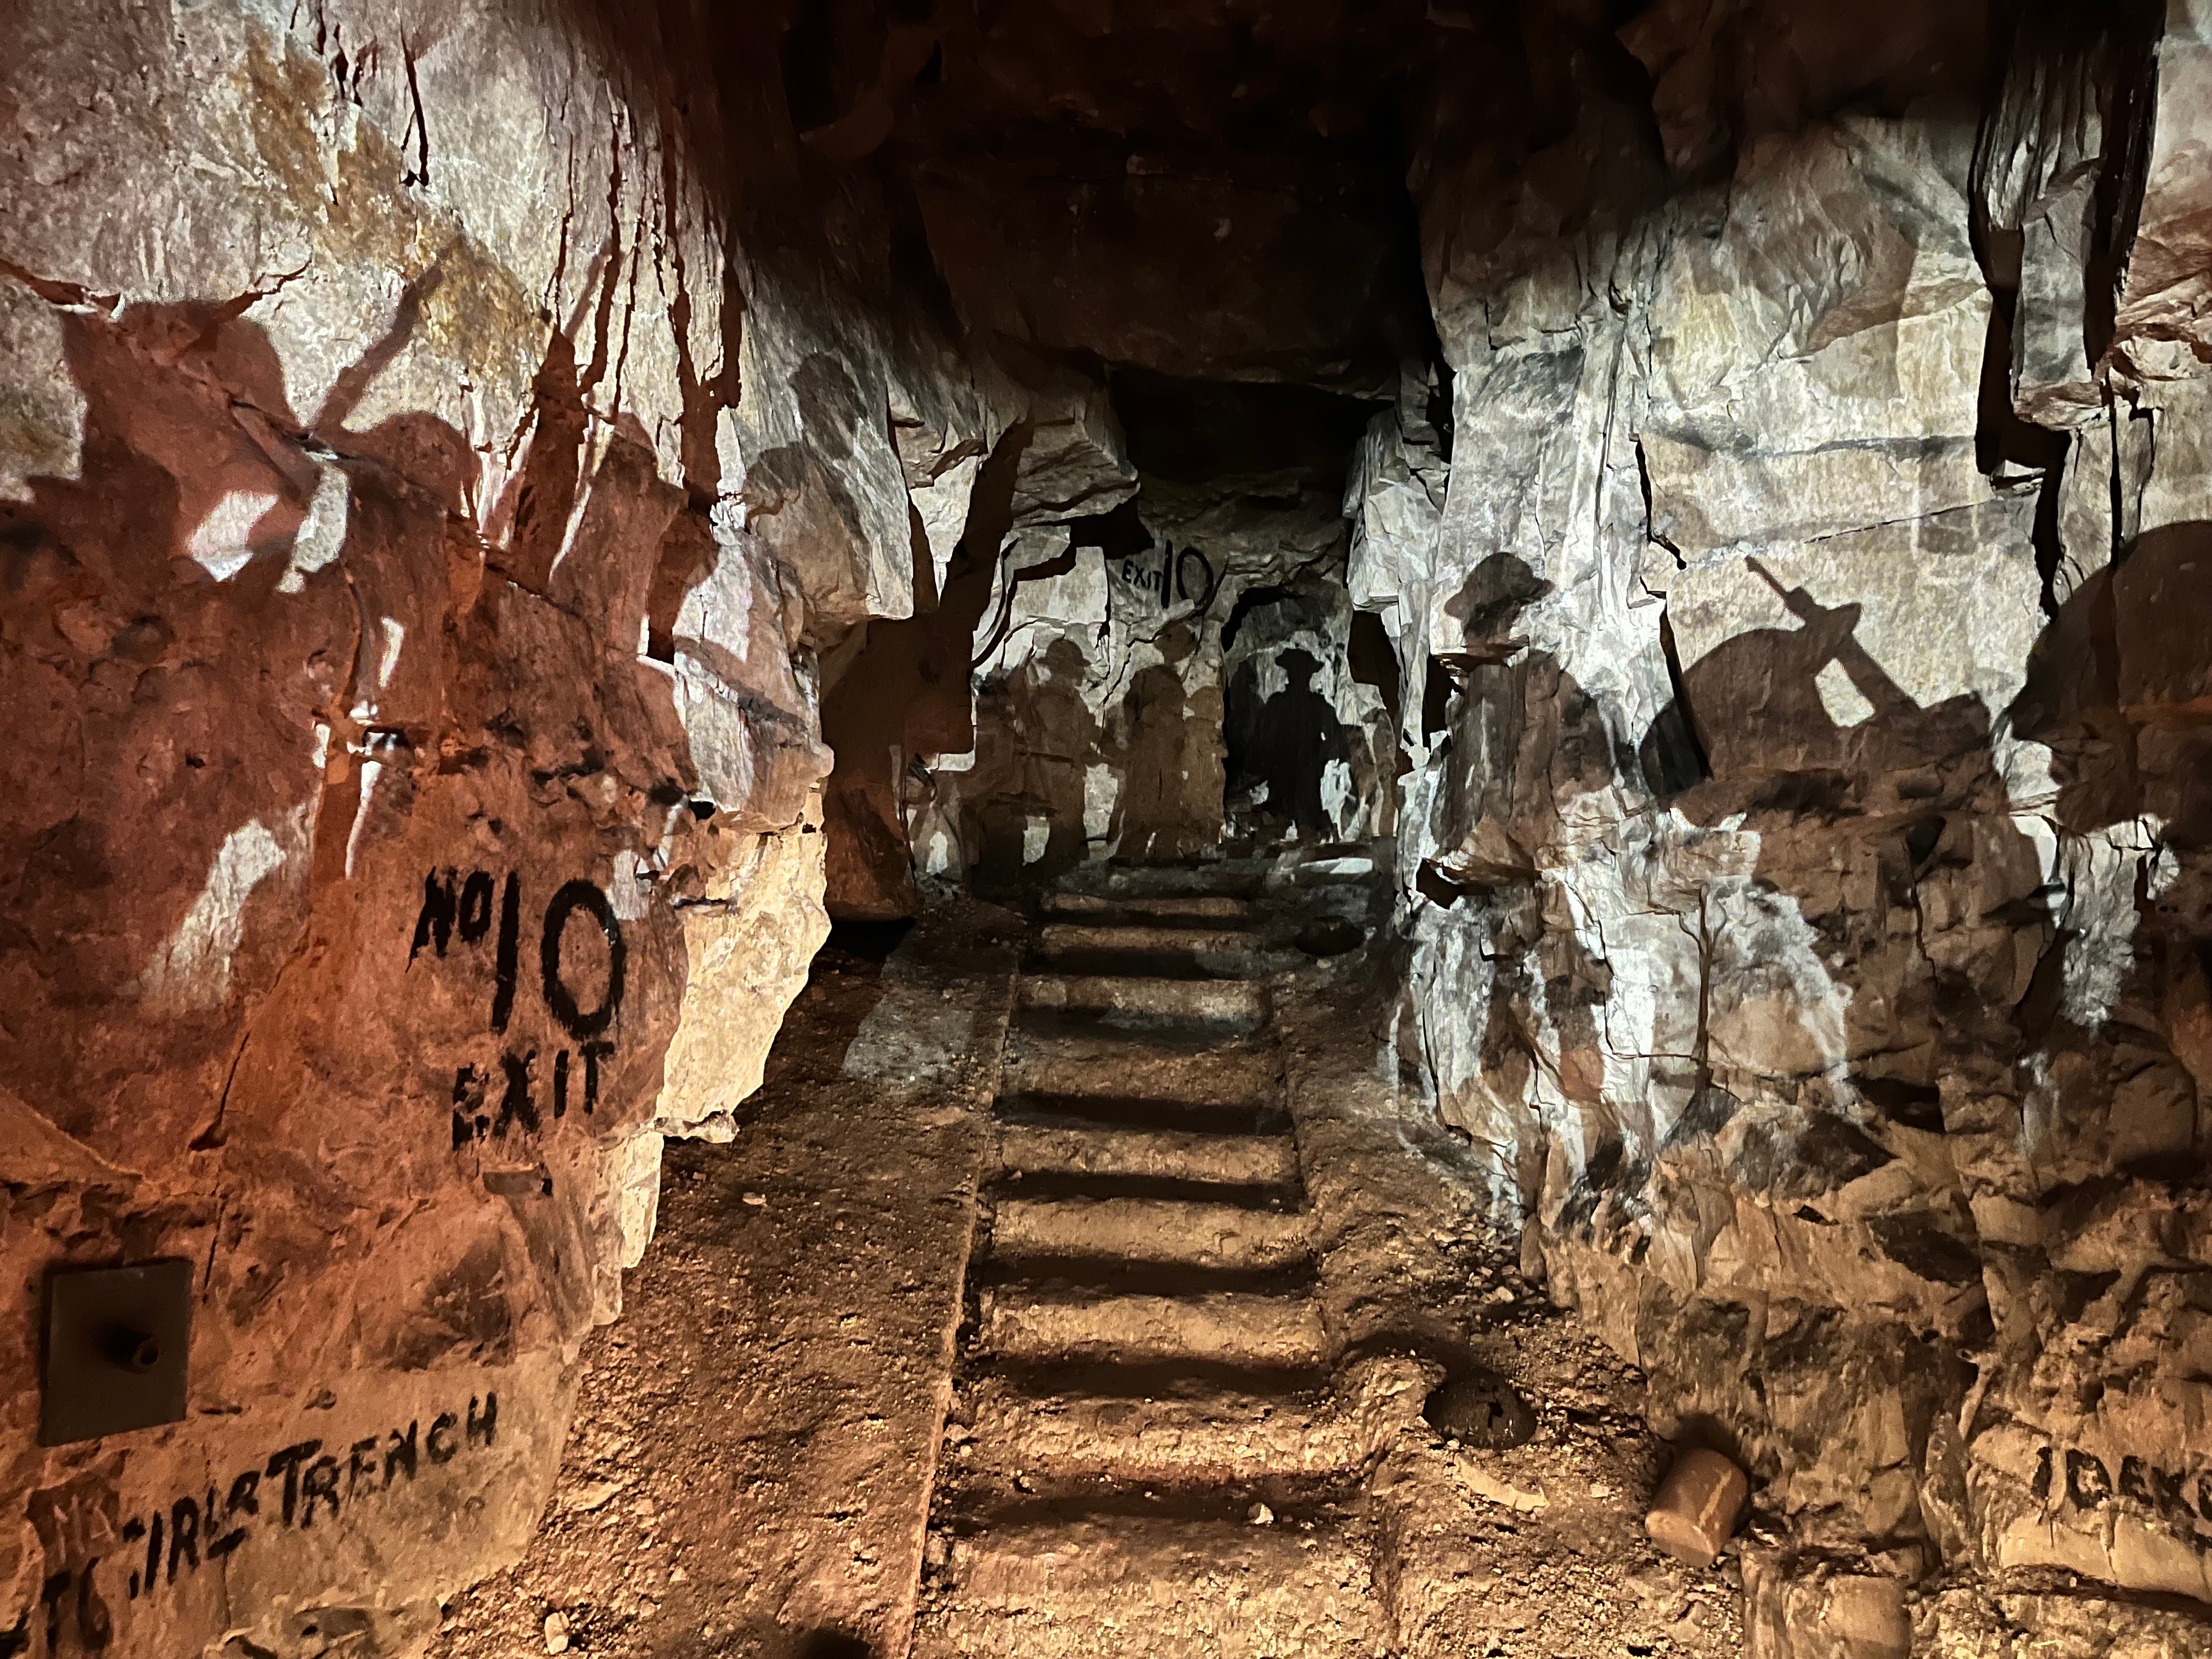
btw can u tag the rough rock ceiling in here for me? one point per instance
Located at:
(1205, 190)
(1171, 71)
(1219, 189)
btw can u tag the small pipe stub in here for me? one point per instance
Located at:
(131, 1349)
(1699, 1505)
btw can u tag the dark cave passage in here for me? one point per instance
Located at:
(919, 827)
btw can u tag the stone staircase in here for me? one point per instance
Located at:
(1152, 1451)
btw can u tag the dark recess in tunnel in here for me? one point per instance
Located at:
(1196, 431)
(1224, 230)
(1373, 661)
(1117, 534)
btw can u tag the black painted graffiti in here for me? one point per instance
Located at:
(294, 1488)
(454, 905)
(1170, 576)
(474, 1115)
(443, 912)
(510, 945)
(2084, 1481)
(576, 896)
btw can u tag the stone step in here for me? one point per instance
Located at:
(1242, 1328)
(1207, 880)
(1196, 909)
(1217, 1435)
(1066, 1065)
(1162, 952)
(1105, 1587)
(1219, 1160)
(1346, 866)
(1238, 1004)
(1151, 1231)
(1060, 939)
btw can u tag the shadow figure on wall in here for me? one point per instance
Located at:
(1283, 744)
(1165, 737)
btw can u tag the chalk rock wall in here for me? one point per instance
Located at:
(1806, 872)
(413, 574)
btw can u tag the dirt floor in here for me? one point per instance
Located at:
(1532, 1552)
(749, 1470)
(756, 1451)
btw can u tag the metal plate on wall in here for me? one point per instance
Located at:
(115, 1350)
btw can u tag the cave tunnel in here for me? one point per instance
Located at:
(1273, 829)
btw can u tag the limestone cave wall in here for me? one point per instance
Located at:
(1804, 858)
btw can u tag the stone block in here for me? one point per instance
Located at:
(1698, 1506)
